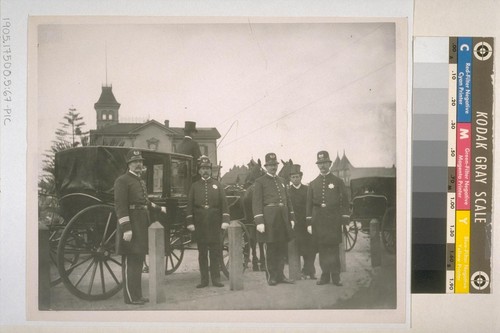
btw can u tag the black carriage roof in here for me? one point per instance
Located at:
(93, 170)
(123, 150)
(377, 185)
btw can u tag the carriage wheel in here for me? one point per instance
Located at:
(225, 250)
(388, 230)
(86, 258)
(175, 251)
(350, 235)
(54, 238)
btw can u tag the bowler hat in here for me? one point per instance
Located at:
(205, 161)
(190, 126)
(323, 156)
(295, 169)
(134, 155)
(271, 159)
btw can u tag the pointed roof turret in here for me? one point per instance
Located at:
(336, 163)
(345, 164)
(107, 98)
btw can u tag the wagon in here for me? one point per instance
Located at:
(83, 246)
(372, 198)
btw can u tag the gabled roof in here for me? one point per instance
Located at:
(154, 123)
(203, 132)
(122, 128)
(133, 128)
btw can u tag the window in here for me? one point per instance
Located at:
(103, 116)
(179, 177)
(153, 143)
(158, 179)
(204, 150)
(110, 116)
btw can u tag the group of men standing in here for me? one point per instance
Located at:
(311, 214)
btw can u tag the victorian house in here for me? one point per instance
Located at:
(343, 169)
(150, 134)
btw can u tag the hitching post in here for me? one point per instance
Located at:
(375, 249)
(293, 260)
(43, 267)
(235, 234)
(156, 235)
(345, 231)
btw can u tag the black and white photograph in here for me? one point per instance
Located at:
(219, 164)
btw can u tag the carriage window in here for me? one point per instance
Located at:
(204, 150)
(158, 179)
(179, 180)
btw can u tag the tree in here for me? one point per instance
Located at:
(69, 135)
(73, 128)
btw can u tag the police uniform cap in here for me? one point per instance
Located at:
(323, 156)
(204, 161)
(134, 155)
(271, 159)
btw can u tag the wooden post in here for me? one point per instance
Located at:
(44, 264)
(342, 254)
(235, 234)
(375, 250)
(293, 260)
(156, 240)
(345, 231)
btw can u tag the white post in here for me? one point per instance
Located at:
(235, 234)
(156, 241)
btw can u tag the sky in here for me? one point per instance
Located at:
(288, 88)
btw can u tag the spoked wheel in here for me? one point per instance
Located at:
(350, 235)
(86, 258)
(388, 230)
(245, 243)
(54, 238)
(174, 251)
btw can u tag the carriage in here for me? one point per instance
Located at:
(83, 245)
(372, 198)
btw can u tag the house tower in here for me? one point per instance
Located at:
(106, 108)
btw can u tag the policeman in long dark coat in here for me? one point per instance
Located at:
(189, 146)
(131, 205)
(207, 214)
(327, 201)
(307, 248)
(274, 219)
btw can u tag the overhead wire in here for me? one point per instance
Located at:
(310, 103)
(296, 77)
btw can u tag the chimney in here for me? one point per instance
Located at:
(167, 123)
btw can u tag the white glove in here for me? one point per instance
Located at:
(310, 229)
(261, 228)
(190, 227)
(164, 210)
(292, 223)
(224, 225)
(127, 236)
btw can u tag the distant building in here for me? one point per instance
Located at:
(150, 134)
(235, 176)
(343, 169)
